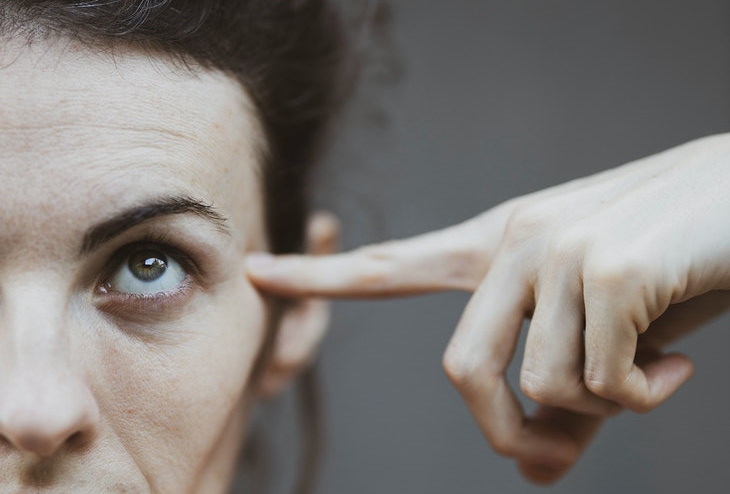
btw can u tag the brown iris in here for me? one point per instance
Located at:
(147, 265)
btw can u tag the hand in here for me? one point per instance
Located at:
(609, 268)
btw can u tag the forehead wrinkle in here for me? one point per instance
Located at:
(184, 132)
(73, 125)
(70, 128)
(189, 101)
(194, 103)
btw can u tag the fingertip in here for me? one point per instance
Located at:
(554, 444)
(665, 375)
(684, 361)
(680, 369)
(543, 473)
(259, 263)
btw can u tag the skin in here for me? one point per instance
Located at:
(104, 391)
(609, 269)
(107, 392)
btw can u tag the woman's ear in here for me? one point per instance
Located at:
(304, 324)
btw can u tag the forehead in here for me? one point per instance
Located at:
(84, 134)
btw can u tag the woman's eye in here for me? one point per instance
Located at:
(146, 272)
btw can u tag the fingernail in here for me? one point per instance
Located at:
(259, 261)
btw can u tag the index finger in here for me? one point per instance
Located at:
(454, 258)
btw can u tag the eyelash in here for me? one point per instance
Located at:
(121, 302)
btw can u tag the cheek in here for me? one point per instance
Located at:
(184, 396)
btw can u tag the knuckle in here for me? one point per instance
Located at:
(613, 272)
(568, 244)
(548, 389)
(373, 279)
(468, 267)
(458, 369)
(503, 443)
(468, 374)
(617, 387)
(525, 222)
(601, 383)
(537, 387)
(379, 267)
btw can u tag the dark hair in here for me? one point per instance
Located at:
(287, 54)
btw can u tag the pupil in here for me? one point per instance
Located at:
(148, 265)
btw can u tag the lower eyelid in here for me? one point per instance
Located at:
(123, 305)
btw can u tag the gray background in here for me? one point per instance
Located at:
(497, 99)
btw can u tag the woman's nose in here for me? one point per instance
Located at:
(42, 418)
(46, 404)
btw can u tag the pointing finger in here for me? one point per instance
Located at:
(454, 258)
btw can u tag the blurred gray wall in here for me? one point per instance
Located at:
(498, 99)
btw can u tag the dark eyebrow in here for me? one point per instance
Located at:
(118, 224)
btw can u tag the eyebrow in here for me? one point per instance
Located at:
(103, 232)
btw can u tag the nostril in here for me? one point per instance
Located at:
(46, 437)
(77, 441)
(42, 417)
(5, 443)
(43, 444)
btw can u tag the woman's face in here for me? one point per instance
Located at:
(128, 197)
